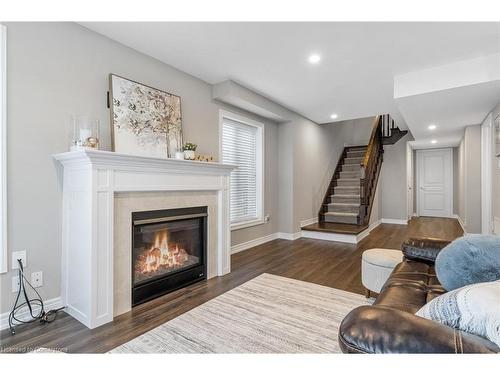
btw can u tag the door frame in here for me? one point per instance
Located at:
(450, 186)
(487, 156)
(410, 191)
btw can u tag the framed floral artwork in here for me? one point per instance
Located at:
(144, 121)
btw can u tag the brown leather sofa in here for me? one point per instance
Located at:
(390, 324)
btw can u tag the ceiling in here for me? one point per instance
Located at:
(450, 110)
(354, 79)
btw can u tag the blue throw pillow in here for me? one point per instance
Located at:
(469, 260)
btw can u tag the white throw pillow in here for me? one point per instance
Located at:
(473, 308)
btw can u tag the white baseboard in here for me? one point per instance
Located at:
(394, 221)
(255, 242)
(24, 314)
(261, 240)
(312, 220)
(367, 231)
(290, 236)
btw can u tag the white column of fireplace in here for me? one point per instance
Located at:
(90, 181)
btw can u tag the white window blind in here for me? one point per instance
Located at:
(240, 146)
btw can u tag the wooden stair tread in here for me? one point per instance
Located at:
(335, 228)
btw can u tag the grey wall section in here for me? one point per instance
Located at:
(57, 69)
(317, 149)
(469, 179)
(393, 187)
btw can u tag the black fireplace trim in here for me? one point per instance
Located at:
(157, 287)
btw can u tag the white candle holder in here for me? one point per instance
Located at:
(85, 133)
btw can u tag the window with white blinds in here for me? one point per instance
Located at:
(241, 145)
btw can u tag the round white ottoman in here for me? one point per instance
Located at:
(376, 266)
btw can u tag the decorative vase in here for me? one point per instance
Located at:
(179, 155)
(189, 155)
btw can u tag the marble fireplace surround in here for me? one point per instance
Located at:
(125, 204)
(98, 183)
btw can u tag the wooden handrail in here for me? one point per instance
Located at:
(373, 140)
(370, 167)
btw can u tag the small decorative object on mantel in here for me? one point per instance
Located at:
(85, 133)
(208, 159)
(144, 121)
(179, 155)
(189, 149)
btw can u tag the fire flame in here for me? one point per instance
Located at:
(161, 254)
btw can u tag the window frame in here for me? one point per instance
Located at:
(224, 114)
(3, 148)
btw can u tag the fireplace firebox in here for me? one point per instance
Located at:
(169, 251)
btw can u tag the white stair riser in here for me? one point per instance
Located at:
(341, 219)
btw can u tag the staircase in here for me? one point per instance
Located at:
(345, 200)
(349, 197)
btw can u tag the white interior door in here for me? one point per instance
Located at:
(435, 182)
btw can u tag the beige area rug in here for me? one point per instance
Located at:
(268, 314)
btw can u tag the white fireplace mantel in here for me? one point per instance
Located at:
(91, 178)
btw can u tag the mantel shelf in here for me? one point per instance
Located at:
(114, 160)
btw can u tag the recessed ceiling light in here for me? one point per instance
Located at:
(314, 58)
(333, 116)
(431, 127)
(434, 141)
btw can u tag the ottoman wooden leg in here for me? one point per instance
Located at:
(367, 293)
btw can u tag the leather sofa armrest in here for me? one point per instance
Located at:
(423, 249)
(377, 329)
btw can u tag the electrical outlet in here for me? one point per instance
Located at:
(18, 255)
(37, 279)
(15, 284)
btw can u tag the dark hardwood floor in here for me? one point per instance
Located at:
(332, 264)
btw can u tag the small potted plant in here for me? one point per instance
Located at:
(189, 149)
